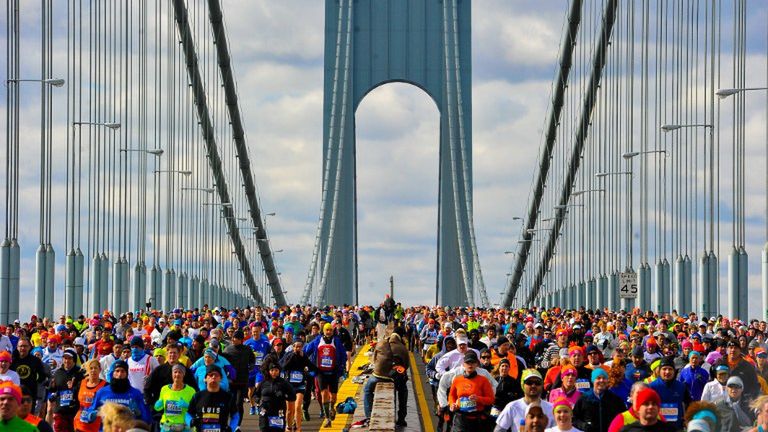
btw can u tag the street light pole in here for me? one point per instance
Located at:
(722, 94)
(55, 82)
(110, 125)
(154, 152)
(182, 172)
(684, 285)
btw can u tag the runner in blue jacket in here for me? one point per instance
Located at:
(261, 347)
(118, 391)
(328, 355)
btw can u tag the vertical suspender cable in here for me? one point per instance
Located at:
(305, 296)
(340, 153)
(465, 171)
(454, 174)
(566, 56)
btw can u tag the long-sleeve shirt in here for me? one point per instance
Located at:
(463, 387)
(694, 379)
(450, 360)
(714, 391)
(446, 381)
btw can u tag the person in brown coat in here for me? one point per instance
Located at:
(390, 364)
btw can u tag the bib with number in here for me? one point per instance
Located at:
(275, 422)
(296, 377)
(326, 356)
(210, 427)
(172, 408)
(669, 411)
(65, 398)
(582, 385)
(259, 358)
(466, 404)
(431, 338)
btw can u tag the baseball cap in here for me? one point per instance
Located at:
(461, 340)
(735, 381)
(591, 349)
(531, 373)
(470, 357)
(70, 352)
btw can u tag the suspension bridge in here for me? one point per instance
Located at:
(641, 196)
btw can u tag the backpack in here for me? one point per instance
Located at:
(347, 407)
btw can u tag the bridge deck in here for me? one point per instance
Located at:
(419, 401)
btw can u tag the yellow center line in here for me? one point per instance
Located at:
(426, 416)
(348, 388)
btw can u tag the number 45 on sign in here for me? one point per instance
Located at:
(628, 285)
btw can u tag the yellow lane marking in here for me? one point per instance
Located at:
(426, 416)
(348, 388)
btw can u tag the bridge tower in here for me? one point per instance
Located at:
(369, 43)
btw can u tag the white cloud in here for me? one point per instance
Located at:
(277, 50)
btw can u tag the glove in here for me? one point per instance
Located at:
(88, 416)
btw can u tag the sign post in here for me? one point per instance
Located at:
(628, 285)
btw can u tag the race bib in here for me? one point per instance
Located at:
(276, 422)
(172, 408)
(296, 377)
(65, 398)
(669, 411)
(210, 428)
(466, 404)
(582, 385)
(326, 362)
(259, 358)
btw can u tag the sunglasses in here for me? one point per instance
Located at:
(485, 357)
(533, 382)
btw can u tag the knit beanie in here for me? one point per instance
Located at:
(645, 395)
(597, 372)
(561, 402)
(9, 388)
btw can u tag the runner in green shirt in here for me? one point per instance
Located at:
(174, 402)
(10, 402)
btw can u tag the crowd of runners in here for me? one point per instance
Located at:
(489, 369)
(593, 371)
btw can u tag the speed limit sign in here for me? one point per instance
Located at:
(628, 285)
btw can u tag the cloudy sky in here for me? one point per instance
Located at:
(277, 49)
